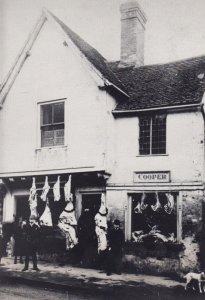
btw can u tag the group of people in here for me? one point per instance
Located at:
(96, 243)
(95, 237)
(26, 236)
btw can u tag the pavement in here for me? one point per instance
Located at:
(64, 277)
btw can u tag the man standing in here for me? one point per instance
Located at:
(2, 243)
(30, 237)
(115, 249)
(18, 240)
(87, 238)
(5, 236)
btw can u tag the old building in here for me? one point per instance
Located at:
(132, 132)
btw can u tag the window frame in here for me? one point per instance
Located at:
(128, 214)
(40, 125)
(150, 118)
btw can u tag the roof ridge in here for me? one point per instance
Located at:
(180, 61)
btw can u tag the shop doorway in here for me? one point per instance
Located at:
(22, 208)
(91, 201)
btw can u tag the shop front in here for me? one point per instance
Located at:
(163, 222)
(163, 225)
(48, 204)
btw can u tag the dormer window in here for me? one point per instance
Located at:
(52, 124)
(152, 135)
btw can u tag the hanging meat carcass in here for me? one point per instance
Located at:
(137, 208)
(157, 206)
(46, 219)
(67, 223)
(101, 225)
(143, 206)
(56, 190)
(170, 203)
(33, 199)
(46, 189)
(67, 189)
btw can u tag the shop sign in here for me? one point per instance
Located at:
(145, 177)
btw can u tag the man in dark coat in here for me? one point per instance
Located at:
(115, 249)
(5, 235)
(18, 241)
(2, 243)
(30, 238)
(87, 240)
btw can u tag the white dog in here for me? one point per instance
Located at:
(199, 278)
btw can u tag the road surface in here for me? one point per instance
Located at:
(11, 290)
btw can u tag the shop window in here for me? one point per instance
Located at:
(52, 124)
(152, 135)
(154, 217)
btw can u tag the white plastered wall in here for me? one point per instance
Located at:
(185, 149)
(54, 71)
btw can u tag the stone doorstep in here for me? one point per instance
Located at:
(68, 276)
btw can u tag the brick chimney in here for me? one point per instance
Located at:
(133, 22)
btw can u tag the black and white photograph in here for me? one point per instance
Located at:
(102, 156)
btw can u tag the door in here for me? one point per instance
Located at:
(22, 208)
(91, 201)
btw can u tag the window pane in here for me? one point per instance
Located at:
(144, 136)
(58, 114)
(46, 117)
(58, 137)
(47, 138)
(159, 134)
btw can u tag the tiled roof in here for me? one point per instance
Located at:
(177, 83)
(92, 55)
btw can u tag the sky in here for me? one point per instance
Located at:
(175, 29)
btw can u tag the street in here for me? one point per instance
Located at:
(17, 291)
(12, 290)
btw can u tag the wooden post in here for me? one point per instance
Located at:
(179, 217)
